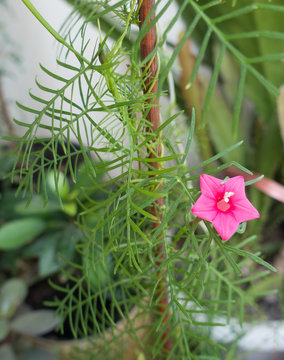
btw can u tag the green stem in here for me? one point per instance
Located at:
(54, 33)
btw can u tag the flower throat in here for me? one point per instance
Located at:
(223, 204)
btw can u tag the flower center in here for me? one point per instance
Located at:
(223, 204)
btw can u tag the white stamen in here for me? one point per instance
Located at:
(227, 195)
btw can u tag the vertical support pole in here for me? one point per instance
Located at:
(147, 45)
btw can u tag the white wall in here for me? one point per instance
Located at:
(36, 45)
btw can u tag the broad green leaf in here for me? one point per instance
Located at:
(38, 322)
(48, 262)
(6, 352)
(36, 354)
(268, 148)
(37, 207)
(17, 233)
(6, 163)
(220, 122)
(51, 247)
(12, 293)
(4, 330)
(212, 83)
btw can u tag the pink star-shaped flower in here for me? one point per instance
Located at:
(225, 205)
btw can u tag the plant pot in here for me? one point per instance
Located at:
(121, 344)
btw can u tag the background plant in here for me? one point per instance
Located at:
(246, 77)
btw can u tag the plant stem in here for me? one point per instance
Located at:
(150, 73)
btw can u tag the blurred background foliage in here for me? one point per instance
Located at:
(256, 32)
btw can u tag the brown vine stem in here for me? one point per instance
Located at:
(153, 116)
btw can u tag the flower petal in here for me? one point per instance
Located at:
(236, 184)
(243, 210)
(210, 186)
(225, 224)
(205, 208)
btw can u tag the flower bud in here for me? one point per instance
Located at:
(103, 53)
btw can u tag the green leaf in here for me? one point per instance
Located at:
(98, 268)
(38, 322)
(4, 331)
(139, 231)
(70, 208)
(253, 257)
(141, 211)
(48, 262)
(36, 354)
(155, 172)
(6, 352)
(253, 181)
(17, 233)
(217, 156)
(51, 74)
(58, 184)
(212, 83)
(199, 57)
(159, 159)
(148, 193)
(238, 102)
(268, 283)
(37, 207)
(12, 294)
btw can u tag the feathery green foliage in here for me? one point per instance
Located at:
(97, 112)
